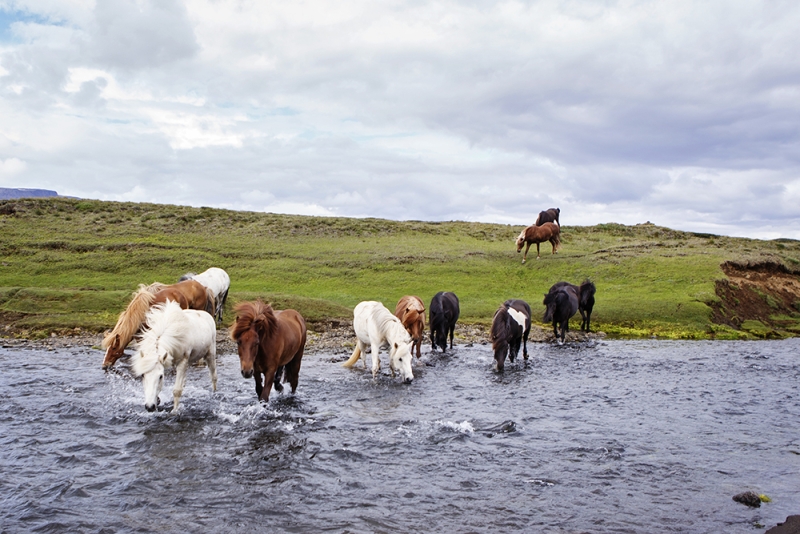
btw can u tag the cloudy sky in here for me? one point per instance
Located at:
(683, 113)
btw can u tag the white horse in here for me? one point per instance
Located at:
(218, 281)
(377, 327)
(174, 337)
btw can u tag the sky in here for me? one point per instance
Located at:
(681, 113)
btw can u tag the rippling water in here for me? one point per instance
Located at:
(617, 436)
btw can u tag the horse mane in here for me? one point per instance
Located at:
(551, 301)
(390, 325)
(187, 276)
(165, 329)
(499, 331)
(131, 319)
(587, 291)
(253, 315)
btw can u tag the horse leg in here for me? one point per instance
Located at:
(537, 251)
(211, 361)
(555, 328)
(525, 345)
(588, 320)
(259, 387)
(527, 247)
(293, 369)
(452, 330)
(180, 381)
(269, 378)
(276, 382)
(564, 329)
(552, 242)
(376, 362)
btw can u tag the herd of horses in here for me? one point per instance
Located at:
(176, 325)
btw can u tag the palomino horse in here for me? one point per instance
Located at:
(539, 234)
(174, 337)
(270, 343)
(189, 295)
(444, 313)
(376, 327)
(561, 303)
(218, 281)
(510, 328)
(411, 312)
(550, 215)
(586, 293)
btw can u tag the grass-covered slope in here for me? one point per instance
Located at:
(68, 263)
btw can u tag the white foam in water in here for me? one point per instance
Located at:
(464, 427)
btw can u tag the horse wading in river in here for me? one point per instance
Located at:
(586, 293)
(376, 327)
(411, 312)
(173, 337)
(218, 281)
(189, 295)
(510, 328)
(539, 234)
(561, 303)
(270, 344)
(444, 312)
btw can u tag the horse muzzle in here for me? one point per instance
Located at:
(408, 380)
(150, 407)
(247, 374)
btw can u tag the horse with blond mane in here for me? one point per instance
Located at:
(539, 234)
(270, 344)
(411, 312)
(188, 295)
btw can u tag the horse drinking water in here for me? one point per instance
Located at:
(411, 312)
(539, 234)
(510, 328)
(376, 327)
(444, 312)
(270, 344)
(561, 303)
(586, 293)
(173, 337)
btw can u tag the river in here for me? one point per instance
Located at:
(605, 436)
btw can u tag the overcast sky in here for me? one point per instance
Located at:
(682, 113)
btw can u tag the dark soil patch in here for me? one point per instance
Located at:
(767, 292)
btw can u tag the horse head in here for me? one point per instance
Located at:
(499, 336)
(520, 241)
(153, 381)
(114, 351)
(400, 360)
(254, 323)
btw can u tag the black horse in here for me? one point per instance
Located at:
(510, 328)
(550, 215)
(586, 293)
(444, 312)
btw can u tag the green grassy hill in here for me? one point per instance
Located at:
(68, 263)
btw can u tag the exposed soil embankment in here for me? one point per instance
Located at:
(762, 293)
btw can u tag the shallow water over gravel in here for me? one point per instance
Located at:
(612, 436)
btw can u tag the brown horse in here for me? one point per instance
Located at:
(539, 234)
(270, 343)
(411, 312)
(189, 295)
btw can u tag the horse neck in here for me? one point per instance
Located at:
(132, 318)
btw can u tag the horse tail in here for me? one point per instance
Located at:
(211, 303)
(557, 237)
(354, 358)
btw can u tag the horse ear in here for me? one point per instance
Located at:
(116, 343)
(396, 346)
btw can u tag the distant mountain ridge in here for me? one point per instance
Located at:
(7, 193)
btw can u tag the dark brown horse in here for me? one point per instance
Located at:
(190, 295)
(411, 312)
(511, 326)
(550, 215)
(539, 234)
(270, 343)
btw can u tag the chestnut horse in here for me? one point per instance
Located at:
(189, 295)
(270, 343)
(411, 312)
(539, 234)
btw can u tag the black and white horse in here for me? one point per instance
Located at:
(444, 312)
(510, 328)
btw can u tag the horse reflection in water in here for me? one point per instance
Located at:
(174, 337)
(270, 344)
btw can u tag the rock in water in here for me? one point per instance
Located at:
(750, 498)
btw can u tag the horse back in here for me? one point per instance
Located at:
(522, 307)
(288, 339)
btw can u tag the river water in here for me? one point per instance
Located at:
(610, 436)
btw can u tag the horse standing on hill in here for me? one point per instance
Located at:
(539, 234)
(189, 295)
(550, 215)
(444, 312)
(561, 303)
(411, 312)
(270, 344)
(511, 326)
(376, 327)
(173, 337)
(218, 281)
